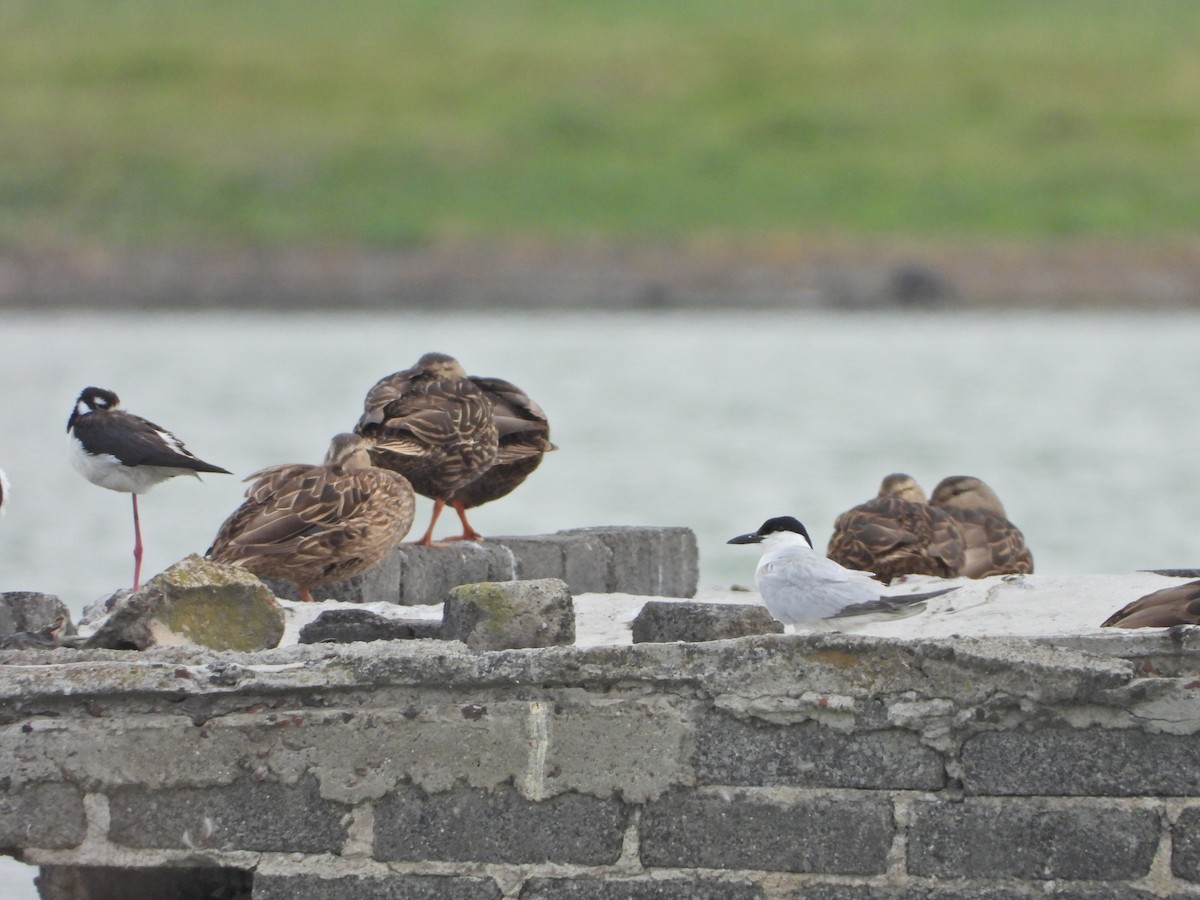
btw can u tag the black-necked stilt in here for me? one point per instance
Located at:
(312, 525)
(434, 426)
(123, 452)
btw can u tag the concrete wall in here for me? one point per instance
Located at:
(775, 766)
(643, 560)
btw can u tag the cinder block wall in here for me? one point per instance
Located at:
(824, 767)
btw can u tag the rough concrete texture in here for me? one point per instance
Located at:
(196, 602)
(510, 615)
(731, 830)
(639, 889)
(344, 626)
(110, 883)
(249, 814)
(32, 612)
(403, 887)
(1031, 839)
(661, 621)
(650, 561)
(498, 826)
(773, 766)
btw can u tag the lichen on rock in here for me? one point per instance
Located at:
(508, 615)
(194, 602)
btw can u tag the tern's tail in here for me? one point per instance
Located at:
(893, 605)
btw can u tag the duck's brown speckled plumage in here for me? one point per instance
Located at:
(312, 525)
(961, 531)
(1178, 605)
(897, 533)
(524, 438)
(991, 543)
(433, 425)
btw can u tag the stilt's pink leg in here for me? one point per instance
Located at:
(137, 545)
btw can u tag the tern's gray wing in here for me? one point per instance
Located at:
(802, 586)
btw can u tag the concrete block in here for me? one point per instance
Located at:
(542, 556)
(245, 815)
(30, 613)
(663, 620)
(1123, 762)
(428, 573)
(634, 560)
(343, 626)
(465, 824)
(655, 562)
(637, 747)
(587, 562)
(1032, 839)
(728, 830)
(194, 602)
(637, 889)
(1185, 845)
(395, 887)
(48, 815)
(112, 883)
(510, 615)
(807, 754)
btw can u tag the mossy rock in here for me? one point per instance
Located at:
(195, 602)
(506, 615)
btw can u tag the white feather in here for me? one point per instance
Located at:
(800, 585)
(106, 470)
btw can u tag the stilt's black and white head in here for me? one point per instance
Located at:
(92, 399)
(783, 526)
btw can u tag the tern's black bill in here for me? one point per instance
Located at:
(751, 538)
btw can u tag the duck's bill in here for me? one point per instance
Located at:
(751, 538)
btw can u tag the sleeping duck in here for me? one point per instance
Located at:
(524, 438)
(433, 425)
(991, 543)
(313, 525)
(897, 533)
(961, 531)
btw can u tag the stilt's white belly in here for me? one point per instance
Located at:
(106, 471)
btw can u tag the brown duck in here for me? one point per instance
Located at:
(524, 438)
(434, 425)
(992, 545)
(961, 531)
(1178, 605)
(897, 533)
(312, 525)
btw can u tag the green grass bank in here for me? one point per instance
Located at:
(137, 124)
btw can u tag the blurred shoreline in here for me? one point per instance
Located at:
(778, 273)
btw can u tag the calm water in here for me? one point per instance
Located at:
(1087, 426)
